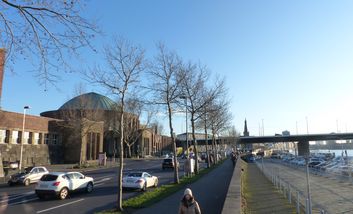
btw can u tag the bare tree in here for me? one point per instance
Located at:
(220, 119)
(167, 77)
(126, 63)
(44, 32)
(199, 96)
(132, 130)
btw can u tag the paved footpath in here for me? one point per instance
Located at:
(329, 194)
(260, 196)
(210, 192)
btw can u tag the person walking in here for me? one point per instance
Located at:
(188, 204)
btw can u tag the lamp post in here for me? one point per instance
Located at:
(23, 134)
(186, 120)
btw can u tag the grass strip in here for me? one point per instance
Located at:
(157, 194)
(148, 198)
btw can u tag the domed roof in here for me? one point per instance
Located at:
(91, 101)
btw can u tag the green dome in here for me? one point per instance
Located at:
(89, 101)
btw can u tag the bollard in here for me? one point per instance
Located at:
(298, 203)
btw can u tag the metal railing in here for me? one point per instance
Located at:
(294, 196)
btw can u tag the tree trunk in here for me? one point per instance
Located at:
(214, 147)
(129, 150)
(176, 172)
(206, 140)
(120, 193)
(195, 143)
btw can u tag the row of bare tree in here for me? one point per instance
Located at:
(163, 82)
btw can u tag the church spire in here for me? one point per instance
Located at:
(246, 132)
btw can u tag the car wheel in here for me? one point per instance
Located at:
(27, 182)
(89, 187)
(10, 183)
(144, 188)
(64, 192)
(156, 182)
(40, 196)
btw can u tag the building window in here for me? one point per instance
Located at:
(2, 136)
(46, 138)
(55, 139)
(36, 138)
(15, 137)
(26, 138)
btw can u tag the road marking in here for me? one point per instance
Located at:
(13, 197)
(97, 185)
(104, 179)
(108, 176)
(20, 202)
(62, 205)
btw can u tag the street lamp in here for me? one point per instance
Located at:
(184, 97)
(23, 133)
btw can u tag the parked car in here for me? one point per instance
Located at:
(61, 184)
(169, 163)
(139, 180)
(28, 176)
(275, 155)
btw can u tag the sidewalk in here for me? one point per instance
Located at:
(260, 195)
(209, 191)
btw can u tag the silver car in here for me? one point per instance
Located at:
(28, 176)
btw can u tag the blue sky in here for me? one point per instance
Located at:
(283, 60)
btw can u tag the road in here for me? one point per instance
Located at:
(21, 199)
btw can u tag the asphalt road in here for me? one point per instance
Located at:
(21, 199)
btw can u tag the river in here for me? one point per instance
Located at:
(338, 152)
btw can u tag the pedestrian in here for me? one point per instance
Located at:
(234, 158)
(188, 204)
(187, 167)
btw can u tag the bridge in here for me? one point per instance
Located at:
(302, 140)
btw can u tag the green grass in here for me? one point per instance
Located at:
(148, 198)
(157, 194)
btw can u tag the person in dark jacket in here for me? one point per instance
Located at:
(188, 204)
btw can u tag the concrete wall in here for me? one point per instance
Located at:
(232, 204)
(32, 154)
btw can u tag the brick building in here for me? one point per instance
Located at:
(77, 132)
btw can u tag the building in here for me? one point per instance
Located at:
(42, 143)
(76, 132)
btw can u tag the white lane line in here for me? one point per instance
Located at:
(20, 202)
(11, 198)
(105, 179)
(62, 205)
(108, 176)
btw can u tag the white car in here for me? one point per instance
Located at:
(139, 180)
(60, 184)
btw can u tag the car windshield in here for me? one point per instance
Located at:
(49, 177)
(135, 174)
(28, 170)
(167, 160)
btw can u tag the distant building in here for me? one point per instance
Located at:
(286, 133)
(246, 133)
